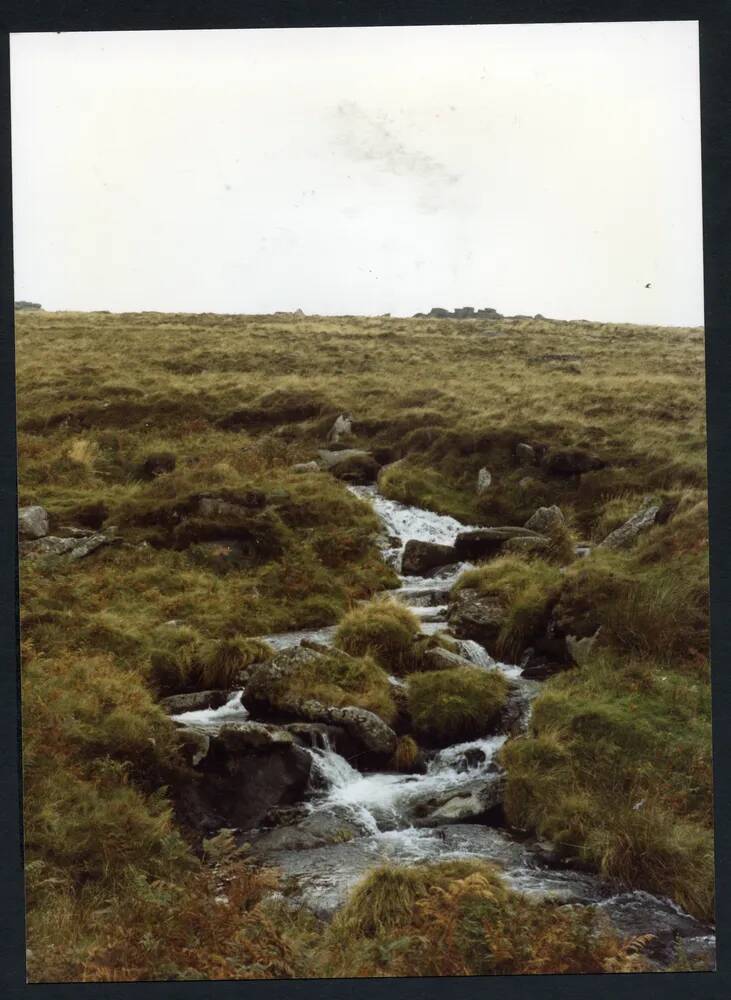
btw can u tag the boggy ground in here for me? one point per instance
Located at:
(132, 420)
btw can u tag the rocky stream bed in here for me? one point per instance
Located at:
(336, 814)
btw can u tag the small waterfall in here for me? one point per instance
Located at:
(213, 718)
(384, 801)
(407, 523)
(475, 653)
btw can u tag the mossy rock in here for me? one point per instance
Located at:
(450, 706)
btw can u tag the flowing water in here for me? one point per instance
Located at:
(384, 811)
(211, 719)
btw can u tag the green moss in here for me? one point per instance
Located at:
(449, 706)
(339, 679)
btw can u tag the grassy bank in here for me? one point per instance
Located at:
(231, 404)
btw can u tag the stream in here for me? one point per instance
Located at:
(381, 810)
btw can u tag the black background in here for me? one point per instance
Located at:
(715, 54)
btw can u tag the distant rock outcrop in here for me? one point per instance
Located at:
(464, 312)
(22, 304)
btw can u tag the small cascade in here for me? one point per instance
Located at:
(211, 719)
(386, 801)
(404, 522)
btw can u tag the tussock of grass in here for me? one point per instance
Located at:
(183, 662)
(405, 755)
(618, 767)
(449, 706)
(526, 588)
(458, 918)
(422, 486)
(95, 750)
(383, 629)
(645, 606)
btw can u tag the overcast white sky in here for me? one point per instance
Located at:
(533, 168)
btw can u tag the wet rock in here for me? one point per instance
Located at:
(471, 758)
(625, 536)
(242, 736)
(317, 829)
(321, 736)
(194, 744)
(419, 596)
(315, 735)
(351, 464)
(445, 659)
(525, 454)
(366, 728)
(194, 811)
(484, 543)
(572, 461)
(248, 770)
(419, 557)
(638, 913)
(514, 714)
(342, 427)
(400, 694)
(32, 522)
(484, 478)
(472, 616)
(176, 704)
(538, 666)
(285, 815)
(157, 464)
(469, 801)
(546, 519)
(450, 570)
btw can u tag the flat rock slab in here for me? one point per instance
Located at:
(176, 704)
(483, 543)
(71, 548)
